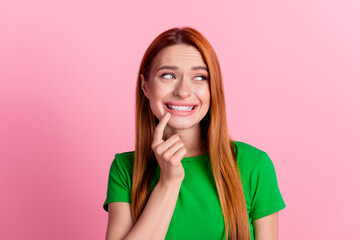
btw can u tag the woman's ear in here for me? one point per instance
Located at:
(144, 85)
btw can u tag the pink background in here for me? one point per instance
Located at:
(68, 70)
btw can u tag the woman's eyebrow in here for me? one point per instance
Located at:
(176, 68)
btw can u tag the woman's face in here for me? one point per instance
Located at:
(178, 83)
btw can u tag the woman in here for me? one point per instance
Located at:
(187, 179)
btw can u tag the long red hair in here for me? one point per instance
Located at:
(222, 149)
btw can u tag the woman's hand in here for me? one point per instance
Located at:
(168, 154)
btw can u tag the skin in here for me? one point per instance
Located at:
(266, 228)
(175, 137)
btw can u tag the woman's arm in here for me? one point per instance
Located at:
(119, 220)
(266, 228)
(153, 222)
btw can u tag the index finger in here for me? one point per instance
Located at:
(159, 130)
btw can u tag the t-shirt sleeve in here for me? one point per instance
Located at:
(119, 183)
(266, 196)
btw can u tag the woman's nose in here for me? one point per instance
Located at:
(183, 88)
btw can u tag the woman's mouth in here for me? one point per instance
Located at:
(180, 108)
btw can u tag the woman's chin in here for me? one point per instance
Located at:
(180, 124)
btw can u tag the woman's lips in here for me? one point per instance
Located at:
(182, 109)
(180, 104)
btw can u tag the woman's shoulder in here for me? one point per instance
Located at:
(124, 160)
(245, 149)
(249, 156)
(259, 180)
(125, 156)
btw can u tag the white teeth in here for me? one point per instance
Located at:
(180, 108)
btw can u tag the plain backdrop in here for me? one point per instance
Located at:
(68, 70)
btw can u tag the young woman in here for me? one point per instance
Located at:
(187, 179)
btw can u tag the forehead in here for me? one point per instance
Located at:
(179, 55)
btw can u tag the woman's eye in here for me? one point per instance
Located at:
(203, 77)
(167, 74)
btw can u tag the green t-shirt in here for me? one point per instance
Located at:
(197, 213)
